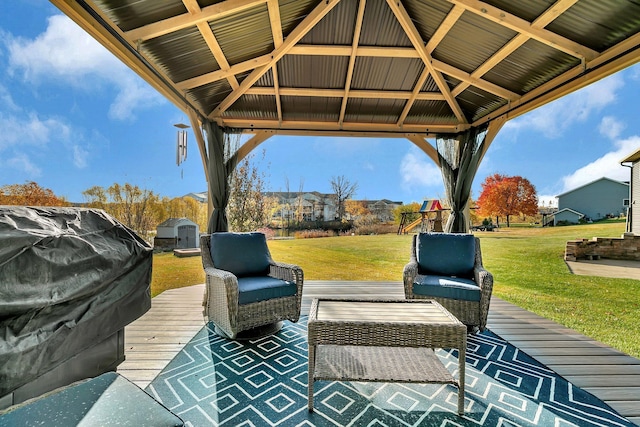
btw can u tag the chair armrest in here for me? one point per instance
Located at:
(484, 279)
(289, 272)
(221, 282)
(409, 274)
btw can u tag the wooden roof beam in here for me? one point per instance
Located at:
(169, 25)
(352, 59)
(524, 27)
(340, 93)
(414, 36)
(541, 21)
(294, 37)
(224, 74)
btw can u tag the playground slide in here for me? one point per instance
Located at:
(411, 226)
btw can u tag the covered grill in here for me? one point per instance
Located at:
(70, 280)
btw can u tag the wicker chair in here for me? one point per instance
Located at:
(447, 268)
(247, 293)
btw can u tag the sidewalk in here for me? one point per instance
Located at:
(606, 268)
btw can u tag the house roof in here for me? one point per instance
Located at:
(604, 178)
(354, 68)
(634, 157)
(172, 222)
(569, 210)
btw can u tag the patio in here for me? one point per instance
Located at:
(156, 338)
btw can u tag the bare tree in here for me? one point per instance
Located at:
(248, 208)
(343, 190)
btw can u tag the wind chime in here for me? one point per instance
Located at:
(181, 145)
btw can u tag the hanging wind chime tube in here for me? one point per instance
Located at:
(181, 143)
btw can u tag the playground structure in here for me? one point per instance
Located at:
(430, 218)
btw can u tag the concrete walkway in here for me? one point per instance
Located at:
(615, 268)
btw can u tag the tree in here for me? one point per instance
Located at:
(343, 189)
(506, 196)
(248, 208)
(411, 210)
(134, 207)
(29, 194)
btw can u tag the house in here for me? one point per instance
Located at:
(599, 199)
(382, 209)
(567, 216)
(301, 206)
(633, 207)
(177, 233)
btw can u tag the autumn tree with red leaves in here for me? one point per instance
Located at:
(504, 196)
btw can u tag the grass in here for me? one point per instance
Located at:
(527, 264)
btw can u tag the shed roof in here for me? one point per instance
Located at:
(172, 222)
(356, 67)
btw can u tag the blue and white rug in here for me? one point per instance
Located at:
(219, 382)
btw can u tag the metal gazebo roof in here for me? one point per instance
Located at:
(363, 67)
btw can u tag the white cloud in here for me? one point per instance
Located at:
(554, 118)
(80, 157)
(606, 166)
(19, 130)
(66, 53)
(22, 163)
(418, 170)
(611, 127)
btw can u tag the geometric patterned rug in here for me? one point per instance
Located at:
(219, 382)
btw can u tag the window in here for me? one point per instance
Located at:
(625, 203)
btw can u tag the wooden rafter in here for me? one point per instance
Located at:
(169, 25)
(216, 50)
(352, 59)
(339, 93)
(521, 26)
(412, 32)
(300, 31)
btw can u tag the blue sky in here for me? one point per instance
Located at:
(72, 116)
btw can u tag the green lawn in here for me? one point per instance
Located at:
(527, 264)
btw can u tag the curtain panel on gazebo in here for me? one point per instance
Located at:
(459, 157)
(220, 170)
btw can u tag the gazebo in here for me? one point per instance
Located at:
(453, 70)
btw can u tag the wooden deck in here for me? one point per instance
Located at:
(176, 316)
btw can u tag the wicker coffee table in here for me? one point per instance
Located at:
(383, 341)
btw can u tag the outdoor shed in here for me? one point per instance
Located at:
(177, 233)
(633, 211)
(596, 200)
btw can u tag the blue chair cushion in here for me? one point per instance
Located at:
(260, 288)
(243, 254)
(446, 254)
(447, 287)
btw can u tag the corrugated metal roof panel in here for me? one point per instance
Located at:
(430, 113)
(374, 110)
(386, 73)
(467, 53)
(310, 108)
(528, 10)
(477, 103)
(336, 28)
(208, 97)
(294, 11)
(380, 27)
(430, 85)
(254, 107)
(583, 22)
(266, 80)
(133, 14)
(182, 54)
(530, 66)
(427, 16)
(308, 71)
(244, 35)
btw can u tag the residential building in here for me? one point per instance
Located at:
(596, 200)
(633, 205)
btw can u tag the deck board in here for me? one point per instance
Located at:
(176, 316)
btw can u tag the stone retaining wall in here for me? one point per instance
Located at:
(627, 247)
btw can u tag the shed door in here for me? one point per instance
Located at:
(186, 236)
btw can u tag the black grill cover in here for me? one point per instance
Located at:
(69, 278)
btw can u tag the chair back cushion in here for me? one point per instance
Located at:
(446, 254)
(243, 254)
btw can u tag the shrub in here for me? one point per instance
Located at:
(312, 234)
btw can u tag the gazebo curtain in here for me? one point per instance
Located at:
(459, 157)
(220, 170)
